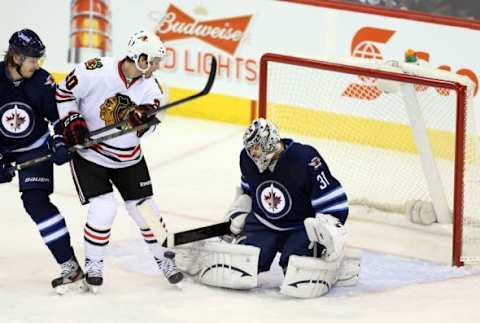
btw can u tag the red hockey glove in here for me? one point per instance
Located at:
(74, 129)
(138, 116)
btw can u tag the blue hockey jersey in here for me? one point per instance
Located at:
(26, 108)
(299, 187)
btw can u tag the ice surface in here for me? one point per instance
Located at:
(194, 167)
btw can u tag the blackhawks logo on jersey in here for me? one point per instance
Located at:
(93, 63)
(116, 108)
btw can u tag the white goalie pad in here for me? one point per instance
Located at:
(309, 277)
(220, 264)
(349, 270)
(329, 232)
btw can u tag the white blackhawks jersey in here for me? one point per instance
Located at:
(97, 89)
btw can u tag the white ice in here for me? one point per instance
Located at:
(194, 168)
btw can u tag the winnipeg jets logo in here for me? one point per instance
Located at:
(274, 199)
(16, 120)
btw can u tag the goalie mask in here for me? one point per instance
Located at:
(148, 44)
(261, 141)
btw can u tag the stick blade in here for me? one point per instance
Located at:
(197, 234)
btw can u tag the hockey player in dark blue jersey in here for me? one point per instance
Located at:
(27, 106)
(289, 203)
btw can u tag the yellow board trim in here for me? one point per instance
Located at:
(358, 130)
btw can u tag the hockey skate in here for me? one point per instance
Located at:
(94, 274)
(168, 267)
(70, 278)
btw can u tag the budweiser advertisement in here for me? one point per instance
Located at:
(238, 33)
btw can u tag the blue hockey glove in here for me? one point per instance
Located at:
(59, 150)
(5, 175)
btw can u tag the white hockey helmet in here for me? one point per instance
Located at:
(261, 141)
(145, 43)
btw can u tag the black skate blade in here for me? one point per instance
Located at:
(175, 278)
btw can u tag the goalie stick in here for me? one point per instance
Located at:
(209, 231)
(170, 240)
(123, 124)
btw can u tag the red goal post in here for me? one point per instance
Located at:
(394, 133)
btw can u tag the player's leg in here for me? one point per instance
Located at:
(36, 185)
(266, 240)
(94, 188)
(135, 186)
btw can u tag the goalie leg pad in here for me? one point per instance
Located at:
(349, 271)
(229, 266)
(309, 277)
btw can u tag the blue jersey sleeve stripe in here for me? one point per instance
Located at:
(329, 196)
(335, 208)
(338, 200)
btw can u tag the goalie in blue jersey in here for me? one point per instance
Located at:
(289, 203)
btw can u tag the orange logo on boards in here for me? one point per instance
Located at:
(364, 42)
(364, 45)
(224, 34)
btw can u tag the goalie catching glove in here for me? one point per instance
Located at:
(329, 232)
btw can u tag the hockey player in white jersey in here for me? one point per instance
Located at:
(99, 93)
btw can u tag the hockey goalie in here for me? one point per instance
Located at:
(288, 203)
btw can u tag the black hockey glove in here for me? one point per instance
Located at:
(5, 175)
(74, 129)
(59, 150)
(138, 116)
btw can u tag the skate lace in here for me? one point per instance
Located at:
(94, 268)
(167, 266)
(68, 268)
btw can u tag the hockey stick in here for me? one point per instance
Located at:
(209, 231)
(123, 124)
(208, 86)
(88, 143)
(156, 224)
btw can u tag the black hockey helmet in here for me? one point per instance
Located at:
(26, 42)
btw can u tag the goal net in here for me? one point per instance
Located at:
(401, 137)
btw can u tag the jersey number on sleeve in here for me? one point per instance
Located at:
(322, 179)
(71, 81)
